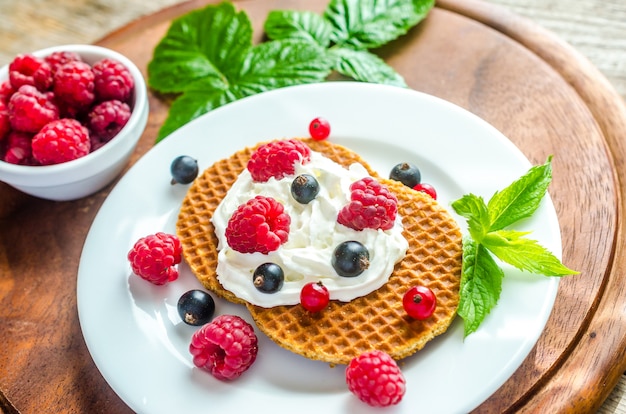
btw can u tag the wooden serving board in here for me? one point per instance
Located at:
(531, 86)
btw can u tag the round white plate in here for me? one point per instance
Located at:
(139, 343)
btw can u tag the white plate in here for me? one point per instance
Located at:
(138, 342)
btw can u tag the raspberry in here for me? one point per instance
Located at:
(74, 84)
(5, 124)
(277, 158)
(60, 141)
(376, 379)
(30, 70)
(18, 149)
(153, 258)
(112, 80)
(260, 225)
(371, 205)
(6, 91)
(107, 119)
(30, 109)
(225, 347)
(60, 58)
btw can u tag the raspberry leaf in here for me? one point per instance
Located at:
(368, 24)
(304, 25)
(186, 54)
(520, 199)
(481, 284)
(513, 248)
(364, 66)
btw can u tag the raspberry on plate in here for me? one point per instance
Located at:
(375, 378)
(108, 118)
(60, 141)
(153, 258)
(74, 84)
(225, 347)
(113, 80)
(30, 109)
(30, 70)
(259, 225)
(371, 206)
(277, 159)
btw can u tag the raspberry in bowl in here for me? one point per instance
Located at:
(70, 118)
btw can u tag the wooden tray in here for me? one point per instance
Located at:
(534, 88)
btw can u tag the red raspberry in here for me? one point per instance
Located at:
(30, 70)
(260, 225)
(113, 80)
(60, 58)
(74, 84)
(225, 347)
(371, 205)
(18, 149)
(6, 91)
(153, 258)
(5, 124)
(30, 109)
(107, 119)
(376, 379)
(60, 141)
(277, 159)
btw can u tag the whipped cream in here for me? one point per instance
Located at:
(313, 235)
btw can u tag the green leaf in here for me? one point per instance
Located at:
(303, 25)
(481, 285)
(520, 199)
(188, 53)
(368, 24)
(364, 66)
(267, 66)
(525, 254)
(474, 209)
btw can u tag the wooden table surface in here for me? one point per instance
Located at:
(596, 29)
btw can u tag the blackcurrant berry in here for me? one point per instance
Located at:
(268, 278)
(407, 174)
(196, 307)
(350, 259)
(184, 169)
(304, 188)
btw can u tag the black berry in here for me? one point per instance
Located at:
(184, 169)
(268, 278)
(350, 259)
(304, 188)
(196, 307)
(407, 174)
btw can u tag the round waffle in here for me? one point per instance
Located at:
(341, 331)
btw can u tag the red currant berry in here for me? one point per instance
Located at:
(314, 296)
(419, 302)
(319, 128)
(426, 188)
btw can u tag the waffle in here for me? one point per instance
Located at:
(342, 331)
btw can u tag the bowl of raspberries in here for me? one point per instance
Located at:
(70, 118)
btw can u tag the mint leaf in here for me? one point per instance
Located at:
(481, 285)
(520, 199)
(525, 254)
(187, 54)
(474, 209)
(303, 25)
(364, 66)
(368, 24)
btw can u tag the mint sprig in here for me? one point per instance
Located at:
(481, 277)
(207, 59)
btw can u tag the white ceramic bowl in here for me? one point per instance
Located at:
(86, 175)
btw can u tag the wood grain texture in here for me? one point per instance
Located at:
(525, 81)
